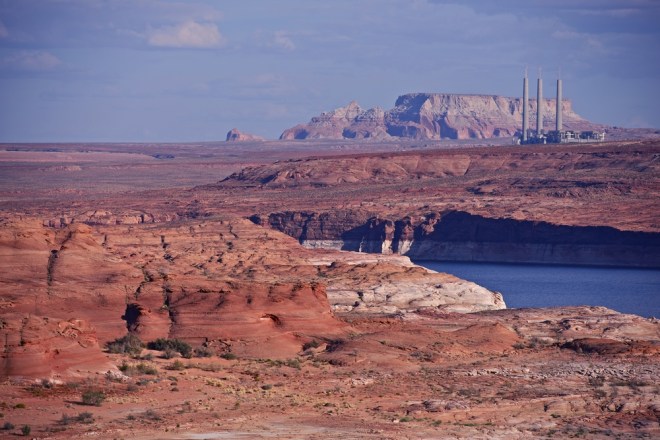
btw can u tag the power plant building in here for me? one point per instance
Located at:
(558, 135)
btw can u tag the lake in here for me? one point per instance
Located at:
(625, 290)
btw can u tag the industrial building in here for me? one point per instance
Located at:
(558, 135)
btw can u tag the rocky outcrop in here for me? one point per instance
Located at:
(350, 122)
(234, 135)
(460, 236)
(435, 116)
(50, 348)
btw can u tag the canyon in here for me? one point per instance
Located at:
(286, 266)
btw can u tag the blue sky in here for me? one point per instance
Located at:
(158, 71)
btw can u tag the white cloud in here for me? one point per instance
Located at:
(187, 34)
(33, 61)
(283, 41)
(4, 33)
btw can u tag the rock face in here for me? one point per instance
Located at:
(234, 135)
(460, 236)
(435, 116)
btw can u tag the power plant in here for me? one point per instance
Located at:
(558, 135)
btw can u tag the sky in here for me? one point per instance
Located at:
(177, 71)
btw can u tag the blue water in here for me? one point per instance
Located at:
(525, 285)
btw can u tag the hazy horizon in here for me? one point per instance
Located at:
(175, 71)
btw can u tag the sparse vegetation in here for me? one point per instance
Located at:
(176, 365)
(203, 352)
(93, 397)
(150, 414)
(83, 417)
(129, 344)
(8, 426)
(25, 430)
(176, 345)
(139, 368)
(228, 356)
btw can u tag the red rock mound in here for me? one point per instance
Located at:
(50, 348)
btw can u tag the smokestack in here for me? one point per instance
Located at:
(559, 106)
(525, 115)
(539, 106)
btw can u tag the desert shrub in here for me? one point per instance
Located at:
(140, 368)
(83, 417)
(203, 352)
(146, 369)
(177, 345)
(129, 344)
(293, 363)
(150, 414)
(228, 356)
(19, 406)
(93, 397)
(8, 426)
(25, 430)
(176, 365)
(169, 353)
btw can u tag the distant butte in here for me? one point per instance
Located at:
(433, 116)
(234, 135)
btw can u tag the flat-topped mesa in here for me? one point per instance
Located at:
(434, 116)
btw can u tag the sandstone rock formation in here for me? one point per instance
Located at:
(434, 116)
(226, 284)
(50, 348)
(234, 135)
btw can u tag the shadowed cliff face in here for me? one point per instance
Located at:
(434, 116)
(460, 236)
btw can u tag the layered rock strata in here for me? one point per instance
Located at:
(460, 236)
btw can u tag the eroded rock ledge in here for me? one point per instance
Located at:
(461, 236)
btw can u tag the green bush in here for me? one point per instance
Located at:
(177, 345)
(129, 344)
(26, 430)
(93, 397)
(228, 356)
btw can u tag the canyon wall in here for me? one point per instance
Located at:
(460, 236)
(435, 116)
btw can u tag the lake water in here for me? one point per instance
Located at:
(529, 285)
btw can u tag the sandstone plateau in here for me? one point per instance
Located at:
(435, 116)
(285, 266)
